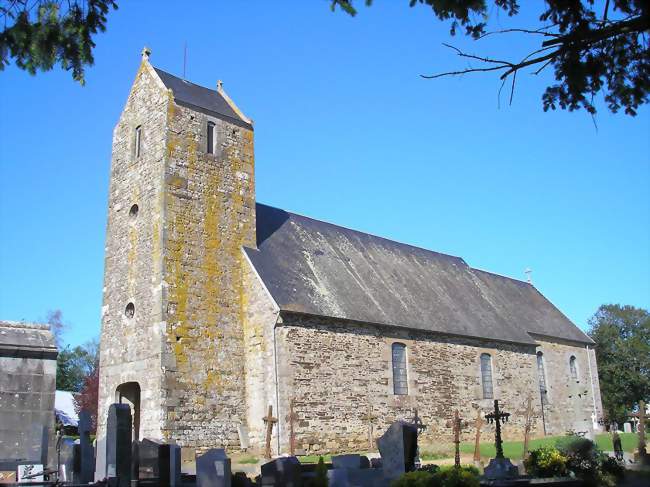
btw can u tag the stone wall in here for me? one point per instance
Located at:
(131, 346)
(27, 386)
(209, 215)
(570, 403)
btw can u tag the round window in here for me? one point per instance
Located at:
(129, 312)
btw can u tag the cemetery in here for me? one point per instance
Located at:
(568, 461)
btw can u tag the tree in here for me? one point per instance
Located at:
(622, 336)
(75, 364)
(88, 397)
(590, 51)
(40, 33)
(55, 320)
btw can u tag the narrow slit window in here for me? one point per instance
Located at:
(138, 141)
(573, 368)
(486, 376)
(210, 134)
(543, 391)
(400, 374)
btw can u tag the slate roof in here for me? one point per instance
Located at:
(200, 97)
(318, 268)
(26, 340)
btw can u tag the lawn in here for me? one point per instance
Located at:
(511, 449)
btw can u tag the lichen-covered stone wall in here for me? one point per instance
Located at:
(131, 347)
(209, 215)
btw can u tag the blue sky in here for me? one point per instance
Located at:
(346, 131)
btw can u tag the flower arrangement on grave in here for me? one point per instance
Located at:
(464, 476)
(587, 462)
(546, 461)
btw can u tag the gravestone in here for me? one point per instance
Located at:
(398, 446)
(86, 450)
(65, 459)
(118, 445)
(213, 469)
(283, 471)
(627, 427)
(346, 461)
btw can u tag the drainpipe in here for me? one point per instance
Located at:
(591, 380)
(277, 379)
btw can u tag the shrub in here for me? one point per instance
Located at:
(459, 477)
(587, 462)
(416, 479)
(430, 467)
(546, 461)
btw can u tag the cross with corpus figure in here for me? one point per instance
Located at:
(477, 441)
(456, 424)
(291, 418)
(270, 421)
(370, 418)
(496, 417)
(528, 424)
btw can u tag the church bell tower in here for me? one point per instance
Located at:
(181, 207)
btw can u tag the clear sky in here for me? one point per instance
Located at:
(345, 131)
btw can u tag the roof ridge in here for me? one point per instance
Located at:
(184, 80)
(502, 276)
(24, 325)
(365, 233)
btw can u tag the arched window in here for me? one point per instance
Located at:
(210, 137)
(573, 368)
(542, 377)
(400, 375)
(486, 376)
(138, 141)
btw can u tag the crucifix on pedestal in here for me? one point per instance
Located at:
(270, 421)
(291, 418)
(477, 441)
(641, 455)
(499, 467)
(528, 424)
(370, 418)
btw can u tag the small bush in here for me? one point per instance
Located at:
(416, 479)
(431, 468)
(459, 477)
(588, 463)
(546, 461)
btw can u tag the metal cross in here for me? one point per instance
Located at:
(456, 424)
(269, 420)
(417, 422)
(496, 417)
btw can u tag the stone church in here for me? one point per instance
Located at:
(216, 307)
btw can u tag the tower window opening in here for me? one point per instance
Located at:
(211, 137)
(138, 141)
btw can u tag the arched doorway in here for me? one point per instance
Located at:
(129, 393)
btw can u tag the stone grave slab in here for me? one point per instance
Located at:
(86, 450)
(346, 461)
(118, 445)
(213, 469)
(398, 446)
(283, 471)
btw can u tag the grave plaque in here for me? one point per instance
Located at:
(352, 461)
(397, 447)
(213, 469)
(283, 471)
(118, 445)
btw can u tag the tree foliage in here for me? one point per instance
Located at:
(593, 47)
(74, 364)
(622, 336)
(88, 397)
(41, 33)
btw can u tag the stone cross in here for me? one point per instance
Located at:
(496, 417)
(370, 418)
(269, 420)
(291, 418)
(456, 424)
(528, 424)
(417, 422)
(477, 442)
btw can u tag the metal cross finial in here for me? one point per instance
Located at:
(219, 85)
(496, 417)
(146, 52)
(529, 273)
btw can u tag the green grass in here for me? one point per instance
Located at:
(429, 456)
(314, 458)
(515, 449)
(248, 460)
